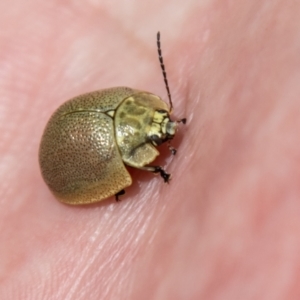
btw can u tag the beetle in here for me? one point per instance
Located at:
(90, 138)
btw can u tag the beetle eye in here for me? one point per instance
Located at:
(156, 140)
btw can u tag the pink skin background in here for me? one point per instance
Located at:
(228, 224)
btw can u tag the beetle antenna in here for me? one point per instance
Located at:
(163, 70)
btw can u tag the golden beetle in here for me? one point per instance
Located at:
(89, 138)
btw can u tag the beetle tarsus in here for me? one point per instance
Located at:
(173, 150)
(162, 173)
(122, 192)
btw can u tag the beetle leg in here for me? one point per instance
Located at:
(172, 149)
(157, 169)
(122, 192)
(163, 173)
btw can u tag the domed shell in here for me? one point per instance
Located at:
(78, 155)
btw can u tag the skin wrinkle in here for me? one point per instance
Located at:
(114, 255)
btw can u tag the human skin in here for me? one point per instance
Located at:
(228, 225)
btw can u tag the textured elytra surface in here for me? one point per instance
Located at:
(79, 158)
(101, 101)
